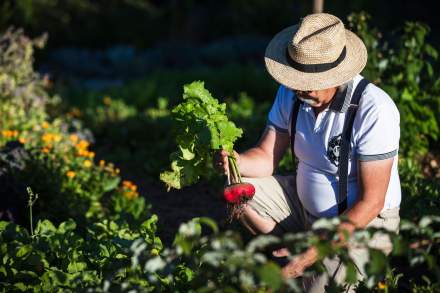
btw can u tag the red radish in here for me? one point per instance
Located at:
(238, 193)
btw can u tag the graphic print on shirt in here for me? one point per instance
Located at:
(333, 149)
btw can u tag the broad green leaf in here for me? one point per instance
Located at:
(377, 262)
(203, 128)
(208, 222)
(66, 226)
(23, 251)
(187, 154)
(111, 183)
(270, 274)
(44, 226)
(3, 225)
(351, 273)
(75, 267)
(20, 286)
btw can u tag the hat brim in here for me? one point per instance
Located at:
(279, 68)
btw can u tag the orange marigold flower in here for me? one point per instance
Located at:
(45, 125)
(9, 133)
(127, 183)
(73, 138)
(45, 150)
(82, 145)
(22, 140)
(91, 155)
(70, 174)
(101, 163)
(5, 133)
(131, 194)
(87, 163)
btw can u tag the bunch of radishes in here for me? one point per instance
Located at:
(236, 193)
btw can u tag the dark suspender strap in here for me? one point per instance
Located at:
(295, 111)
(345, 145)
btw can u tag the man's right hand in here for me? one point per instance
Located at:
(221, 162)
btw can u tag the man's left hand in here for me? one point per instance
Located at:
(296, 267)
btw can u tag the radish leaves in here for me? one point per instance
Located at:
(204, 128)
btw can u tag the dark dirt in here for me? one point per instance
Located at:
(179, 206)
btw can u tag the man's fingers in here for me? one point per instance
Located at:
(221, 161)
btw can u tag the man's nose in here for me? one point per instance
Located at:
(312, 94)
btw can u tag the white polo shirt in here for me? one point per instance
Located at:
(375, 136)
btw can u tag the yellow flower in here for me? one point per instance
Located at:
(381, 285)
(82, 145)
(48, 137)
(56, 137)
(87, 163)
(101, 163)
(6, 133)
(9, 133)
(22, 140)
(117, 170)
(91, 155)
(73, 138)
(70, 174)
(45, 125)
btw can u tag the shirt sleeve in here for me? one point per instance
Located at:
(379, 133)
(279, 114)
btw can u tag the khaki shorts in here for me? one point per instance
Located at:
(276, 198)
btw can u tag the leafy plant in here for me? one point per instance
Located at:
(404, 68)
(204, 128)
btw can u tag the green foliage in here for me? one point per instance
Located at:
(58, 258)
(222, 261)
(421, 196)
(404, 68)
(204, 128)
(53, 157)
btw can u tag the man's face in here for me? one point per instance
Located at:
(317, 98)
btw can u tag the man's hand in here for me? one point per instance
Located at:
(296, 267)
(221, 162)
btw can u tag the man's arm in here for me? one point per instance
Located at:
(374, 177)
(262, 159)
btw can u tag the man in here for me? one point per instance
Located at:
(318, 63)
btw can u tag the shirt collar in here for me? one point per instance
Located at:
(342, 99)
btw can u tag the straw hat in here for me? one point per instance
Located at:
(319, 53)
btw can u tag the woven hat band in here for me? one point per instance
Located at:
(315, 68)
